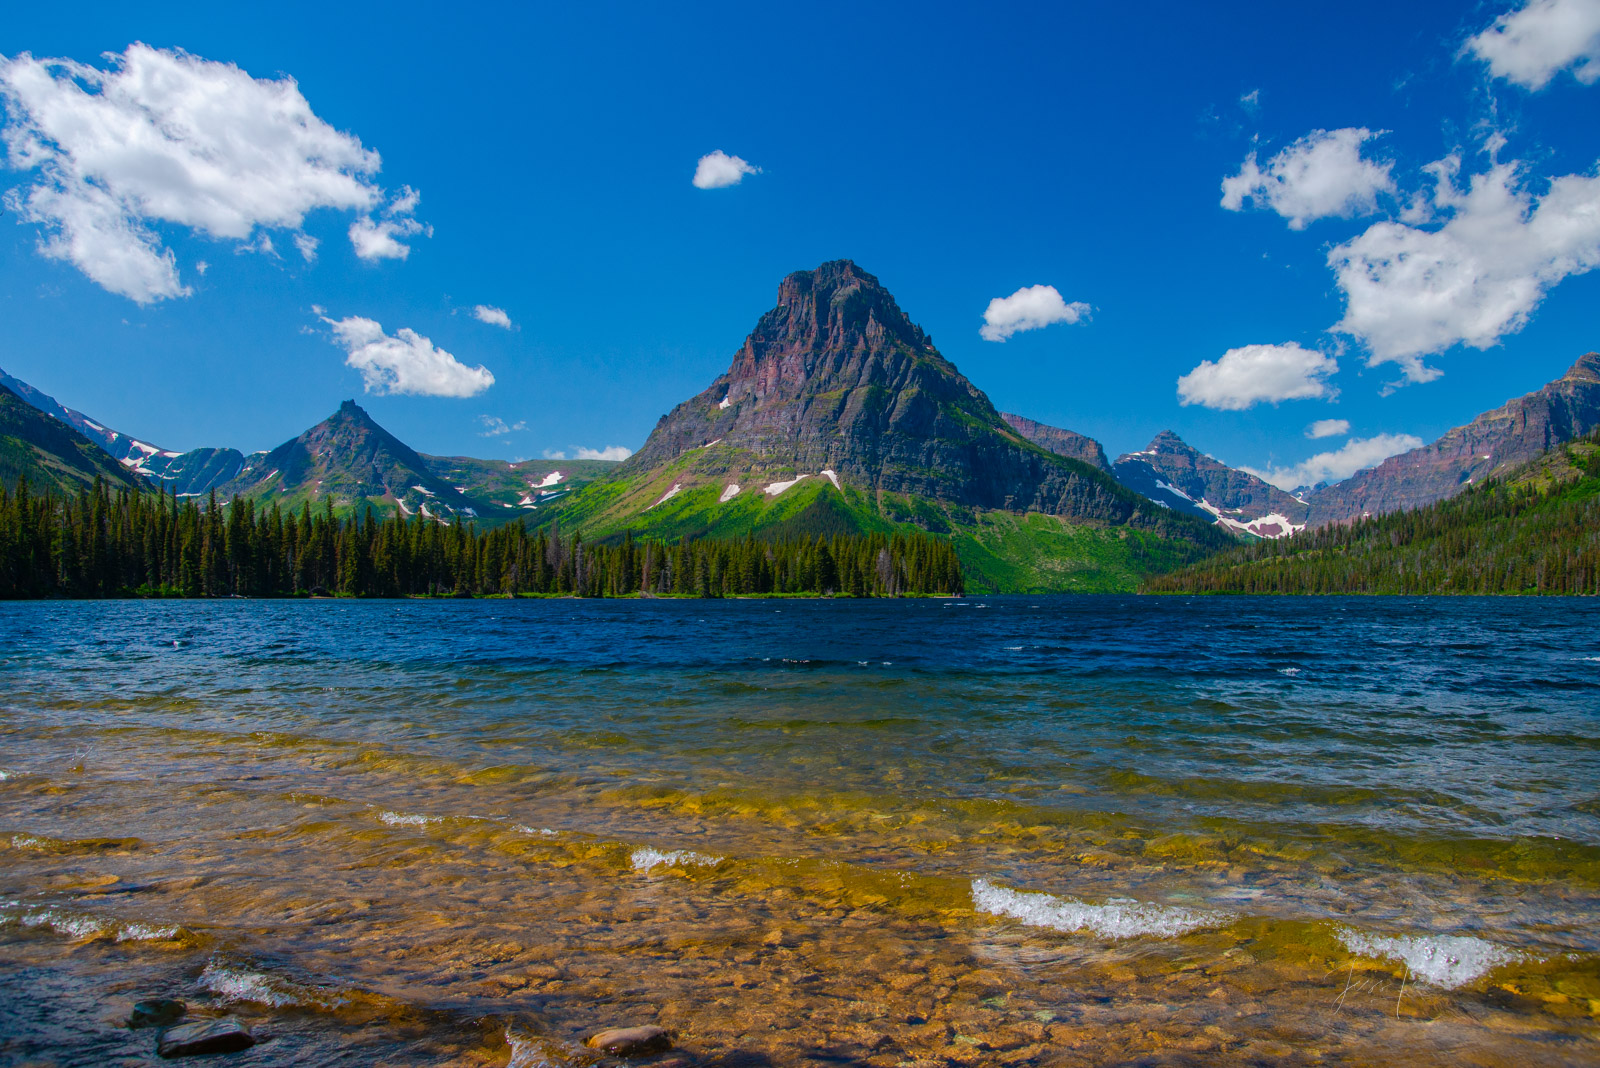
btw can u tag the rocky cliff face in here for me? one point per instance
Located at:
(1487, 447)
(1068, 443)
(350, 458)
(1173, 473)
(836, 380)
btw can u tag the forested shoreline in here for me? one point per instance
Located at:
(122, 543)
(1538, 533)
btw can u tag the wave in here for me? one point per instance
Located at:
(1445, 961)
(232, 982)
(1118, 918)
(406, 819)
(82, 927)
(645, 858)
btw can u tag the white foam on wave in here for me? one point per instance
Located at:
(1446, 961)
(535, 1053)
(83, 928)
(28, 841)
(406, 819)
(4, 774)
(234, 983)
(645, 858)
(1118, 918)
(523, 828)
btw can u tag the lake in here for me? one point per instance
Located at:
(1004, 830)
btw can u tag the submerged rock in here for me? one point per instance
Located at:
(156, 1012)
(632, 1041)
(225, 1035)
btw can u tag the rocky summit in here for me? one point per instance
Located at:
(837, 382)
(1172, 472)
(1488, 447)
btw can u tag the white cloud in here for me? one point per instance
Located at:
(1319, 176)
(380, 238)
(1328, 428)
(1251, 101)
(1533, 44)
(165, 137)
(201, 266)
(1357, 454)
(494, 427)
(1255, 373)
(405, 363)
(484, 313)
(610, 452)
(718, 170)
(1412, 292)
(307, 246)
(1029, 308)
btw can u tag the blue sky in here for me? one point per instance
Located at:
(960, 155)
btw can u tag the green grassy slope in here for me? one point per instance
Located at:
(999, 551)
(52, 456)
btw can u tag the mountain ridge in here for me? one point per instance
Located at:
(52, 455)
(1486, 447)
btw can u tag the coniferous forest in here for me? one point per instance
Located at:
(1536, 532)
(105, 543)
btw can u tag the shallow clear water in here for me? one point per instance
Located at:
(1002, 831)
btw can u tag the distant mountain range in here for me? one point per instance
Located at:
(836, 415)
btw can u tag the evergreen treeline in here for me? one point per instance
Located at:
(1501, 537)
(128, 543)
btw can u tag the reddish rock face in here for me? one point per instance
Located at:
(836, 377)
(1491, 444)
(1068, 443)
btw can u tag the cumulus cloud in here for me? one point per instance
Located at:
(1029, 308)
(1412, 291)
(161, 136)
(1357, 454)
(1328, 428)
(1254, 373)
(494, 426)
(717, 170)
(380, 237)
(485, 313)
(578, 452)
(1319, 176)
(406, 362)
(1536, 42)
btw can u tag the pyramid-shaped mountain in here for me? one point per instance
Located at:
(51, 455)
(1173, 472)
(352, 461)
(1488, 447)
(839, 415)
(836, 383)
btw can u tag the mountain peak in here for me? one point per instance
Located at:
(836, 378)
(1169, 441)
(1587, 369)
